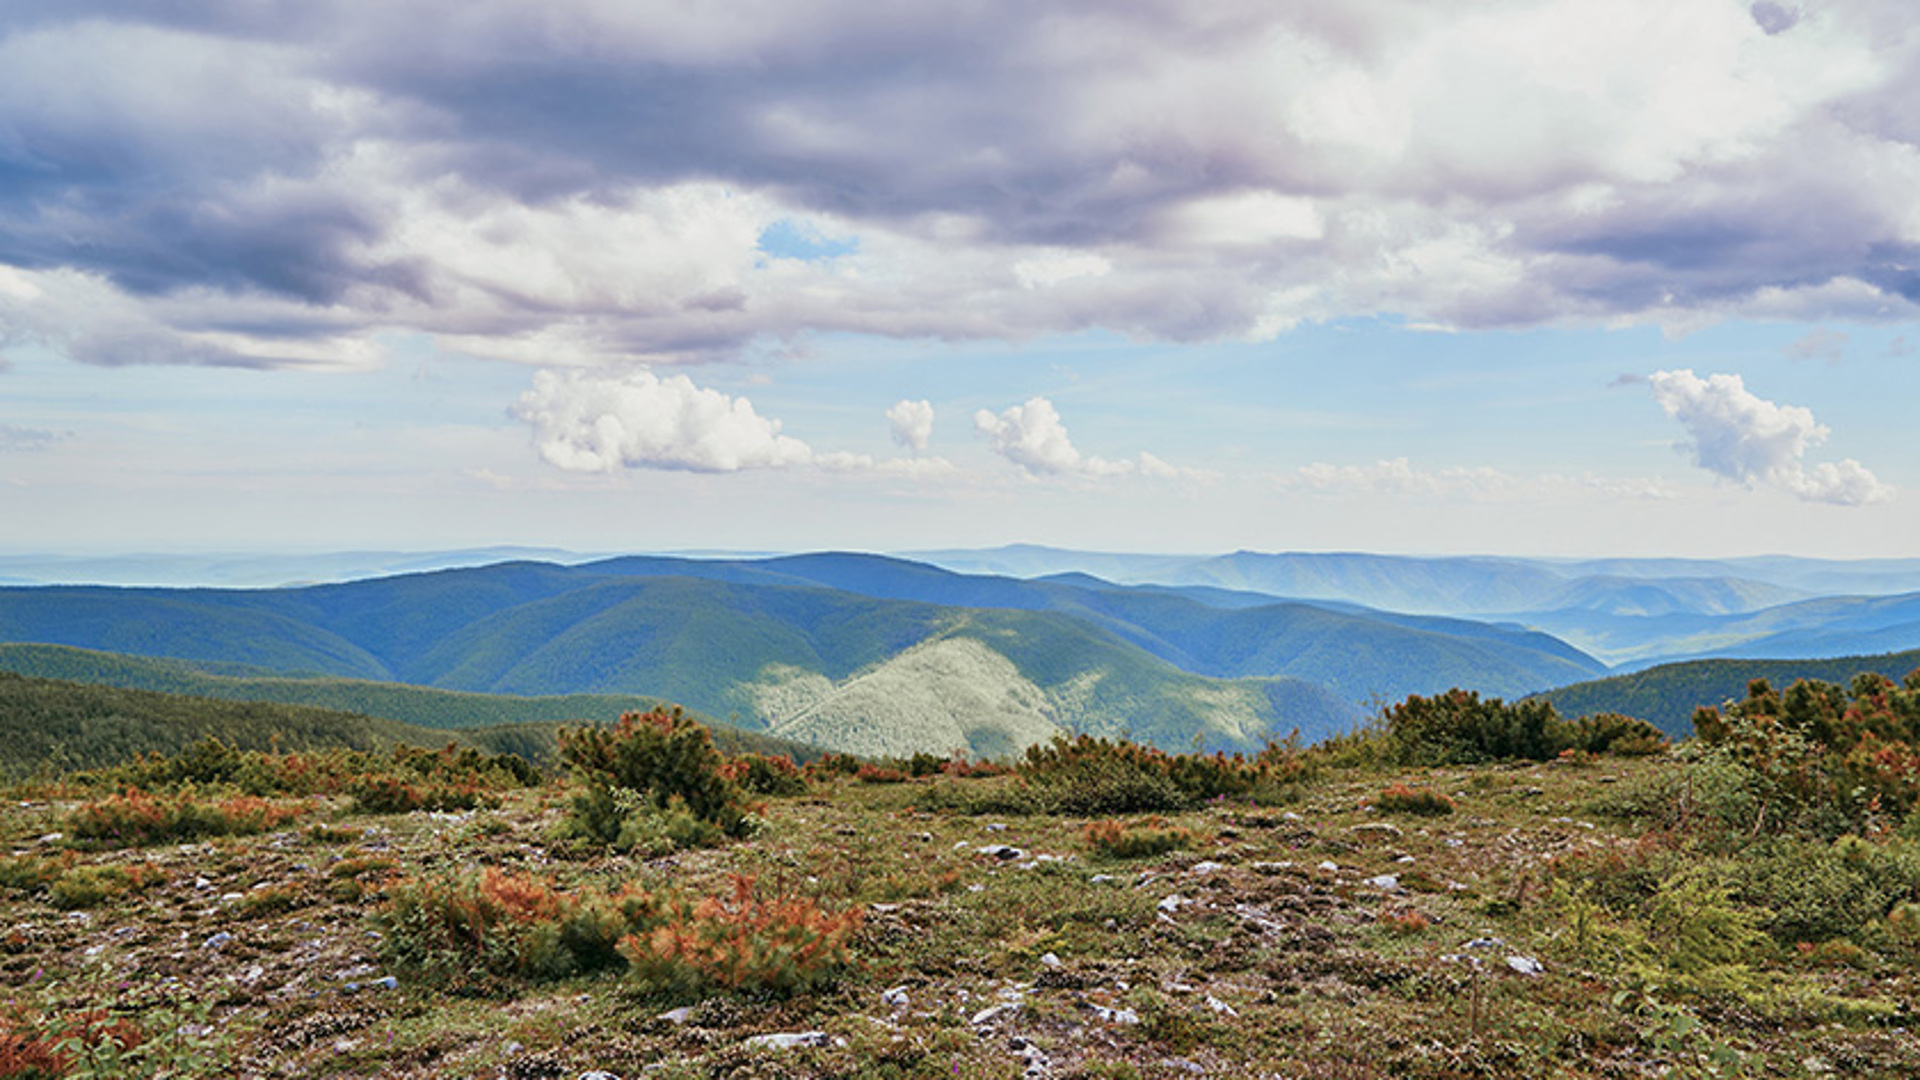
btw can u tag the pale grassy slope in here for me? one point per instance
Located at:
(942, 695)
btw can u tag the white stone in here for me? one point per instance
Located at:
(787, 1040)
(1525, 965)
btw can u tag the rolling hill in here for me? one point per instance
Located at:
(802, 646)
(1667, 695)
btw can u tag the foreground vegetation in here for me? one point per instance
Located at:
(1466, 888)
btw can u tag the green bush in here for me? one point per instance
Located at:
(1460, 727)
(661, 756)
(1086, 776)
(1814, 892)
(92, 886)
(1826, 760)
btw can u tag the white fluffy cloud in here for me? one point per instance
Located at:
(912, 423)
(1739, 436)
(1033, 437)
(600, 423)
(592, 422)
(504, 177)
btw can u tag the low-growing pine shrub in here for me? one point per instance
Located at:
(763, 774)
(659, 755)
(1420, 802)
(137, 819)
(779, 945)
(1135, 839)
(396, 795)
(472, 930)
(92, 886)
(31, 873)
(1460, 727)
(1088, 776)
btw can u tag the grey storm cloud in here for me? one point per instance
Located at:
(589, 180)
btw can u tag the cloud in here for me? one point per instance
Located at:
(663, 184)
(592, 422)
(912, 423)
(1739, 436)
(21, 440)
(1400, 478)
(1819, 343)
(1033, 437)
(596, 423)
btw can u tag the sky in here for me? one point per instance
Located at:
(1531, 277)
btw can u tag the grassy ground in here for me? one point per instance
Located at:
(1512, 936)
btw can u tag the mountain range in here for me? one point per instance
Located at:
(854, 652)
(881, 655)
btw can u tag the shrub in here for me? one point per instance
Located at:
(136, 819)
(1460, 727)
(1421, 802)
(91, 886)
(395, 795)
(1135, 839)
(660, 755)
(30, 873)
(781, 945)
(1827, 760)
(1609, 733)
(879, 774)
(1813, 892)
(470, 930)
(766, 775)
(473, 931)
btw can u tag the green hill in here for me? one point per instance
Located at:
(800, 646)
(1667, 695)
(423, 715)
(53, 725)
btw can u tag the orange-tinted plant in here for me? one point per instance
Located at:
(747, 942)
(1398, 798)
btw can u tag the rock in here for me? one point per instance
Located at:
(1330, 867)
(1388, 882)
(1113, 1016)
(990, 1014)
(788, 1040)
(217, 941)
(1170, 903)
(1376, 830)
(1525, 965)
(599, 1074)
(894, 996)
(1485, 943)
(1048, 960)
(1002, 852)
(1201, 869)
(996, 826)
(1220, 1007)
(676, 1016)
